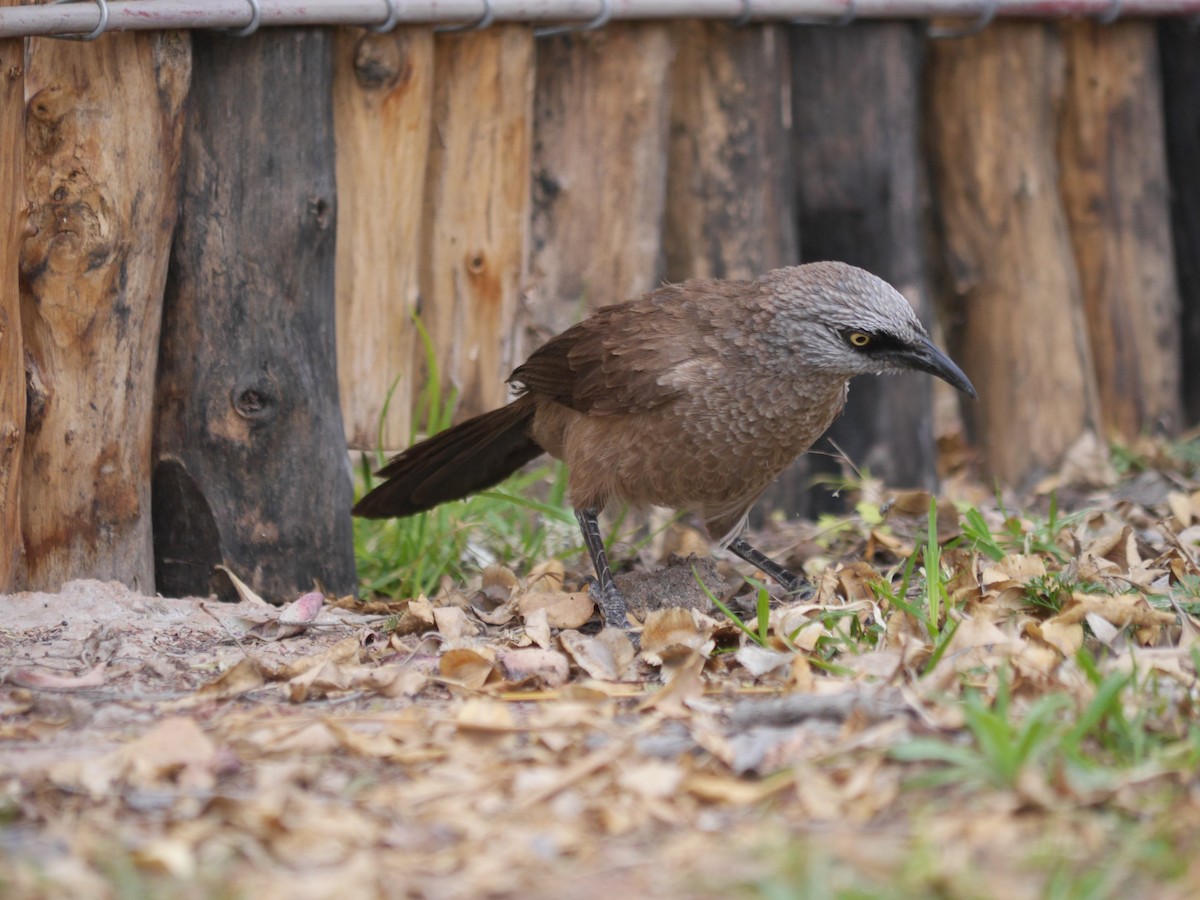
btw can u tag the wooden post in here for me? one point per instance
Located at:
(103, 127)
(1179, 47)
(383, 101)
(600, 171)
(477, 208)
(859, 189)
(1115, 190)
(12, 354)
(730, 211)
(729, 187)
(992, 124)
(250, 459)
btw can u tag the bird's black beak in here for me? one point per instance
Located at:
(924, 355)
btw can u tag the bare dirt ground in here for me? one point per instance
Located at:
(490, 742)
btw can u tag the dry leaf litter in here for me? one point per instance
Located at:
(493, 741)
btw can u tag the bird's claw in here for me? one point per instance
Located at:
(610, 603)
(797, 588)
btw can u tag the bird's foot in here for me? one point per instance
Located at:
(613, 610)
(796, 587)
(793, 584)
(610, 603)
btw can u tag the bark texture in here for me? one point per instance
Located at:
(1115, 190)
(859, 198)
(383, 100)
(250, 466)
(12, 354)
(102, 141)
(992, 122)
(477, 202)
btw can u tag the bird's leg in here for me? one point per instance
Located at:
(791, 583)
(612, 604)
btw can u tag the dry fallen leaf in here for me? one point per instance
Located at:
(759, 661)
(243, 590)
(245, 676)
(671, 628)
(606, 657)
(396, 681)
(551, 668)
(686, 684)
(537, 628)
(47, 680)
(453, 624)
(467, 667)
(1066, 637)
(546, 576)
(293, 619)
(562, 610)
(346, 650)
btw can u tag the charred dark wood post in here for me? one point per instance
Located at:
(250, 459)
(729, 197)
(102, 140)
(1113, 176)
(729, 190)
(991, 113)
(1179, 45)
(12, 354)
(858, 172)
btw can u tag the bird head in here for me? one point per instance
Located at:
(846, 321)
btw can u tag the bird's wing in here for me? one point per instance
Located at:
(626, 358)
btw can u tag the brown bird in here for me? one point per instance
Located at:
(694, 396)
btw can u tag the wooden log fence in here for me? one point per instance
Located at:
(12, 345)
(1033, 187)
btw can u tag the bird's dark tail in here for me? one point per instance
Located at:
(469, 457)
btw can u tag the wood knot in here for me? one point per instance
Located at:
(37, 396)
(321, 211)
(380, 64)
(547, 184)
(257, 401)
(476, 262)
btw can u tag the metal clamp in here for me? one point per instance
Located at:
(95, 32)
(602, 17)
(489, 16)
(986, 14)
(393, 17)
(1111, 14)
(249, 29)
(849, 14)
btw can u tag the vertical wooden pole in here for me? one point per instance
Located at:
(103, 128)
(600, 171)
(1115, 191)
(250, 455)
(477, 208)
(859, 191)
(12, 355)
(730, 211)
(383, 101)
(991, 119)
(1179, 46)
(729, 187)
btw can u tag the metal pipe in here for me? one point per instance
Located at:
(142, 15)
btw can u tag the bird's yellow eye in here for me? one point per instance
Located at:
(859, 338)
